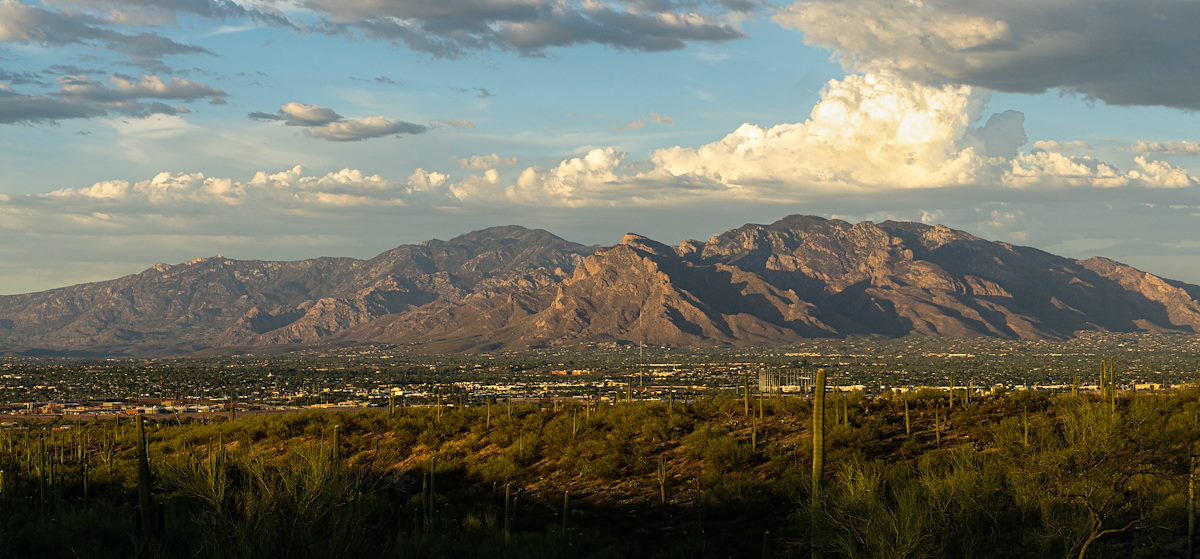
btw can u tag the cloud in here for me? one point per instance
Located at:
(874, 131)
(300, 114)
(480, 92)
(1003, 134)
(443, 28)
(147, 87)
(1102, 49)
(1183, 147)
(574, 182)
(452, 28)
(269, 117)
(80, 97)
(1160, 174)
(1055, 145)
(20, 78)
(16, 108)
(423, 181)
(382, 80)
(22, 23)
(1053, 169)
(326, 124)
(364, 128)
(176, 192)
(632, 126)
(159, 12)
(485, 162)
(639, 124)
(1007, 224)
(458, 123)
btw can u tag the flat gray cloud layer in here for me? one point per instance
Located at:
(166, 11)
(21, 23)
(81, 97)
(444, 28)
(1121, 52)
(450, 28)
(16, 108)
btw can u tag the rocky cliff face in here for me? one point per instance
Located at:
(512, 287)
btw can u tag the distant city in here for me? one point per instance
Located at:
(380, 376)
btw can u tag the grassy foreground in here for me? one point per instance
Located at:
(1016, 475)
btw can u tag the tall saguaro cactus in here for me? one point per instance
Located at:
(1112, 382)
(662, 480)
(937, 426)
(507, 513)
(1191, 509)
(336, 452)
(818, 463)
(907, 417)
(146, 508)
(746, 395)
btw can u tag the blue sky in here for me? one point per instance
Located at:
(126, 136)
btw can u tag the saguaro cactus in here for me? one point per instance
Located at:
(662, 479)
(818, 463)
(336, 453)
(566, 514)
(1112, 391)
(937, 427)
(907, 417)
(507, 513)
(746, 395)
(1191, 509)
(1025, 428)
(146, 509)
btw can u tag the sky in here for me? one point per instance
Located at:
(141, 131)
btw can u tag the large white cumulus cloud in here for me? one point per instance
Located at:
(873, 131)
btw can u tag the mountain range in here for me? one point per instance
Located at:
(515, 288)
